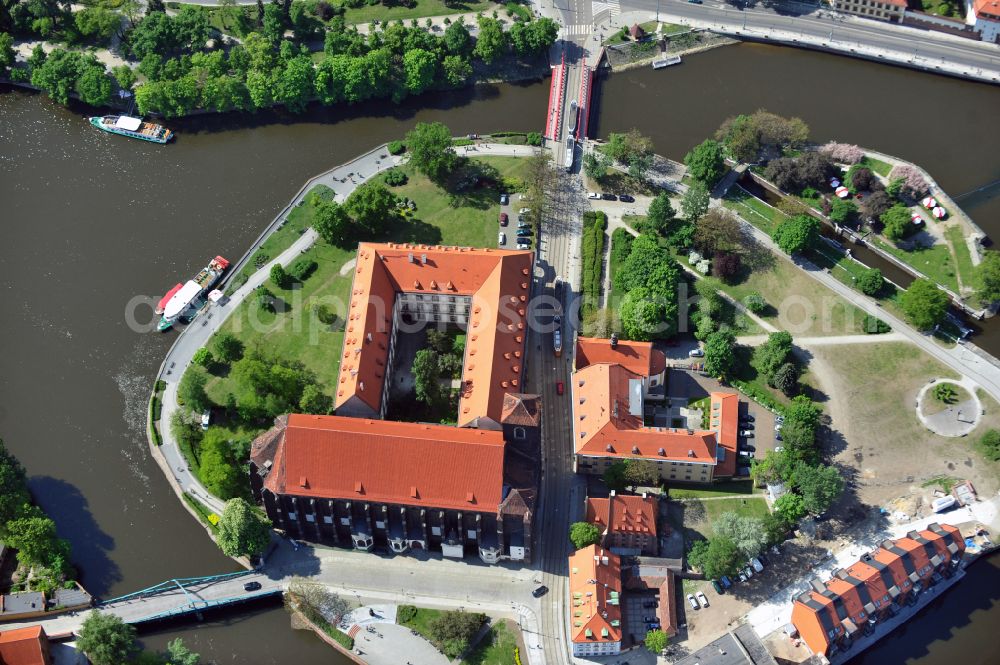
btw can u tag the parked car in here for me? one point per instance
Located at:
(655, 625)
(778, 426)
(726, 582)
(717, 587)
(748, 572)
(649, 603)
(779, 418)
(525, 231)
(778, 449)
(749, 418)
(746, 434)
(609, 197)
(649, 619)
(693, 602)
(524, 211)
(747, 425)
(206, 418)
(523, 245)
(750, 449)
(504, 199)
(702, 599)
(695, 353)
(503, 219)
(743, 578)
(540, 591)
(746, 453)
(626, 198)
(521, 224)
(757, 565)
(777, 437)
(560, 388)
(502, 239)
(594, 196)
(696, 2)
(251, 586)
(775, 550)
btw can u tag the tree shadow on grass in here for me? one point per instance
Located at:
(413, 230)
(91, 546)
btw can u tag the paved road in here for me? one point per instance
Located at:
(935, 51)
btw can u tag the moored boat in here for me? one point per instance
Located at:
(184, 302)
(166, 298)
(135, 128)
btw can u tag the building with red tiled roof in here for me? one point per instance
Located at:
(608, 425)
(627, 523)
(638, 357)
(595, 586)
(986, 14)
(828, 616)
(485, 290)
(24, 646)
(407, 485)
(885, 10)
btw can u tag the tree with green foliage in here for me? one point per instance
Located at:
(720, 356)
(179, 654)
(97, 24)
(14, 496)
(718, 230)
(294, 86)
(373, 207)
(430, 147)
(720, 556)
(266, 386)
(896, 223)
(191, 389)
(35, 539)
(989, 445)
(314, 400)
(790, 508)
(755, 302)
(799, 430)
(771, 355)
(796, 234)
(227, 347)
(419, 67)
(661, 217)
(595, 164)
(761, 134)
(7, 55)
(456, 69)
(842, 211)
(706, 163)
(987, 273)
(641, 473)
(651, 267)
(203, 357)
(924, 304)
(105, 639)
(644, 315)
(426, 371)
(870, 281)
(457, 39)
(695, 201)
(279, 277)
(582, 534)
(945, 392)
(786, 378)
(242, 530)
(332, 222)
(774, 527)
(818, 485)
(614, 476)
(451, 630)
(491, 43)
(218, 470)
(656, 641)
(124, 76)
(773, 467)
(746, 532)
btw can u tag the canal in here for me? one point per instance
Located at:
(91, 220)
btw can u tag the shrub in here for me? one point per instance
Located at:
(989, 445)
(394, 178)
(534, 138)
(913, 183)
(874, 326)
(845, 153)
(302, 269)
(870, 281)
(755, 302)
(405, 614)
(279, 277)
(203, 357)
(396, 148)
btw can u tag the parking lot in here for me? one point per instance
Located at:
(511, 235)
(636, 615)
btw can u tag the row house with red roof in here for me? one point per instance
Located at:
(829, 616)
(610, 386)
(356, 480)
(627, 523)
(595, 588)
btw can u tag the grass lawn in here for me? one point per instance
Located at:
(205, 514)
(753, 507)
(696, 516)
(366, 13)
(877, 165)
(496, 648)
(295, 332)
(755, 211)
(421, 622)
(935, 261)
(966, 271)
(299, 219)
(715, 490)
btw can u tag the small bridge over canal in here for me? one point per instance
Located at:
(179, 597)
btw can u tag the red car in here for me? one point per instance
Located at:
(503, 219)
(559, 387)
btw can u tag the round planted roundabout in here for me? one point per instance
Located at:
(949, 407)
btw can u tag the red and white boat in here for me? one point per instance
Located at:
(166, 298)
(185, 301)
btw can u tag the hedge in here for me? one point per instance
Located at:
(594, 225)
(396, 148)
(759, 396)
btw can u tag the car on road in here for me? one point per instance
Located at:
(609, 197)
(717, 587)
(626, 198)
(703, 599)
(560, 388)
(540, 591)
(251, 586)
(206, 418)
(696, 2)
(757, 565)
(696, 353)
(504, 199)
(594, 196)
(502, 239)
(504, 219)
(693, 602)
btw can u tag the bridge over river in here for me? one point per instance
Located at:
(179, 597)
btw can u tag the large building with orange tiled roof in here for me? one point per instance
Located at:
(396, 285)
(829, 616)
(355, 479)
(610, 388)
(595, 586)
(627, 523)
(24, 646)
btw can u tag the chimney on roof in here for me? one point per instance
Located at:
(410, 256)
(612, 493)
(690, 453)
(661, 452)
(840, 573)
(423, 259)
(635, 450)
(614, 340)
(817, 586)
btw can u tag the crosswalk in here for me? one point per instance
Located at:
(615, 6)
(576, 30)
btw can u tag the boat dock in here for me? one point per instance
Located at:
(666, 61)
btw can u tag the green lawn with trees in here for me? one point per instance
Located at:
(448, 630)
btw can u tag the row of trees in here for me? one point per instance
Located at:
(28, 530)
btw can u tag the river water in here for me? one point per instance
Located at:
(91, 220)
